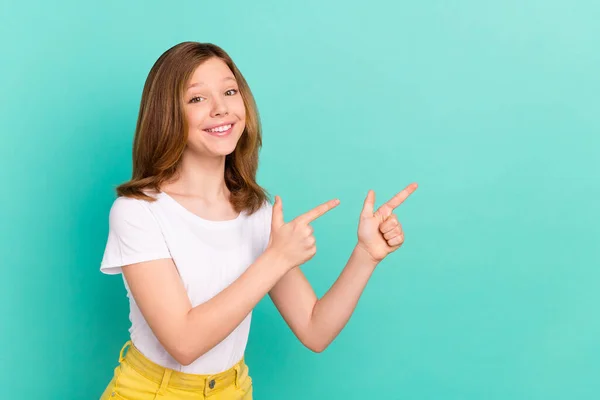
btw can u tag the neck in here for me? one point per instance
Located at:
(201, 177)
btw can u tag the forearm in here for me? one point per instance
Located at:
(332, 312)
(209, 323)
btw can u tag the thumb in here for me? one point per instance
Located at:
(369, 205)
(277, 219)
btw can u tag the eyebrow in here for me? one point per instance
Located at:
(200, 83)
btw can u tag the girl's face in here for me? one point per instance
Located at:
(214, 109)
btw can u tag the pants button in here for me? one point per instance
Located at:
(211, 384)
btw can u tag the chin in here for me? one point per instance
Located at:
(226, 153)
(224, 149)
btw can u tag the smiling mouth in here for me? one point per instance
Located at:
(222, 130)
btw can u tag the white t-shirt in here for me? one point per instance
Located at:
(209, 256)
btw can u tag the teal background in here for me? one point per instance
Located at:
(492, 107)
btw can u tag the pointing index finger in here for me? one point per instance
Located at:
(401, 196)
(317, 212)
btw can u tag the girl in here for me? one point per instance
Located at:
(199, 244)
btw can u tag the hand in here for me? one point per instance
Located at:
(379, 232)
(294, 242)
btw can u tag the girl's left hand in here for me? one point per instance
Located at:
(379, 232)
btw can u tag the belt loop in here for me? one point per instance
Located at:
(121, 356)
(164, 382)
(238, 374)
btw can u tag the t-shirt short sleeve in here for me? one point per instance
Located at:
(134, 236)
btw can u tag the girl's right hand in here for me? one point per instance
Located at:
(293, 242)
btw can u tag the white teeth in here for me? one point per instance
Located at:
(220, 128)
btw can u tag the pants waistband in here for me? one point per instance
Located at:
(169, 377)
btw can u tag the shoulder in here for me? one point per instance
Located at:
(262, 225)
(124, 206)
(266, 216)
(128, 211)
(262, 216)
(266, 207)
(265, 211)
(262, 209)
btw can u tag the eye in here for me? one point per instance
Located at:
(195, 99)
(232, 90)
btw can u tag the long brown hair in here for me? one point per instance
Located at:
(161, 132)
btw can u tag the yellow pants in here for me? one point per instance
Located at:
(138, 378)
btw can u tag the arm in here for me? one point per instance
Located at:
(317, 322)
(187, 332)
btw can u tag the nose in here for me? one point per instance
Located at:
(219, 107)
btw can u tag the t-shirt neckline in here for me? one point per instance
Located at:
(182, 209)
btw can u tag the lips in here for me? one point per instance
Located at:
(220, 133)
